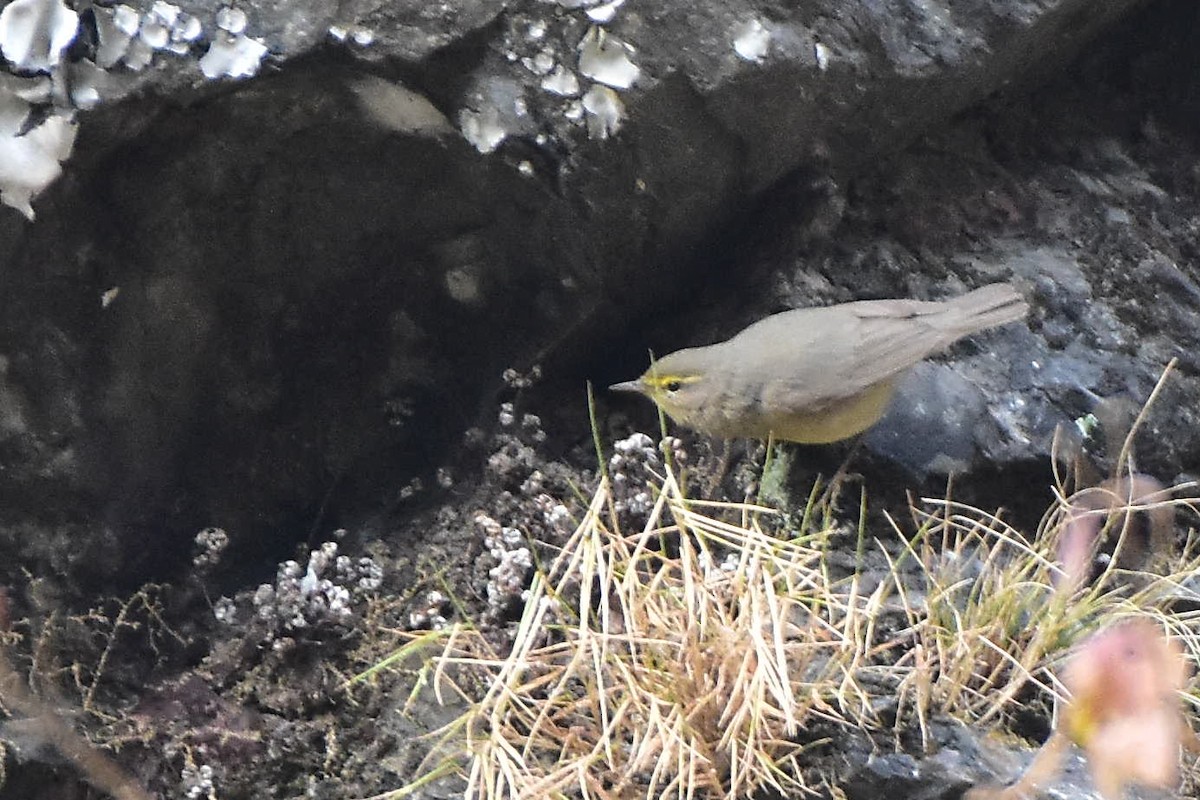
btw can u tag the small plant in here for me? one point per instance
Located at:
(683, 659)
(991, 618)
(1021, 614)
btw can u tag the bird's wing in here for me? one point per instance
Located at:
(824, 355)
(888, 337)
(816, 356)
(892, 335)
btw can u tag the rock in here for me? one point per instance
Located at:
(267, 303)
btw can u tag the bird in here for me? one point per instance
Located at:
(815, 375)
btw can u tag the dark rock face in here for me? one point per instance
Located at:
(268, 304)
(243, 356)
(259, 304)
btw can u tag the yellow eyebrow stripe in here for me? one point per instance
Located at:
(663, 380)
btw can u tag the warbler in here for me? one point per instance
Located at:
(815, 375)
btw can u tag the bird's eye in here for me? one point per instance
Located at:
(673, 386)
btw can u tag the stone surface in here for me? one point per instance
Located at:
(260, 304)
(269, 305)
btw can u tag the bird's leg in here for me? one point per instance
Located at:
(843, 473)
(714, 480)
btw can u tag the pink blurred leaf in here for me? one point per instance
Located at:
(1124, 709)
(1091, 509)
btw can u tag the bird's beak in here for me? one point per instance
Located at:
(629, 386)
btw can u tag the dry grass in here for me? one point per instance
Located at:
(681, 660)
(990, 624)
(698, 656)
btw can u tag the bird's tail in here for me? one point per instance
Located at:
(983, 308)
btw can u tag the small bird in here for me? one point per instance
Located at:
(815, 375)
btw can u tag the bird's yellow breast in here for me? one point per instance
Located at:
(832, 422)
(755, 416)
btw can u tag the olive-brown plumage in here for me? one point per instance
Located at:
(815, 375)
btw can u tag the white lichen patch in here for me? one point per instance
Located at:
(165, 12)
(821, 53)
(89, 84)
(186, 29)
(397, 108)
(752, 40)
(126, 18)
(139, 55)
(463, 286)
(605, 111)
(34, 33)
(494, 109)
(31, 90)
(561, 82)
(129, 38)
(30, 160)
(232, 53)
(483, 129)
(322, 596)
(355, 35)
(540, 64)
(231, 20)
(606, 59)
(115, 27)
(232, 56)
(603, 14)
(155, 30)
